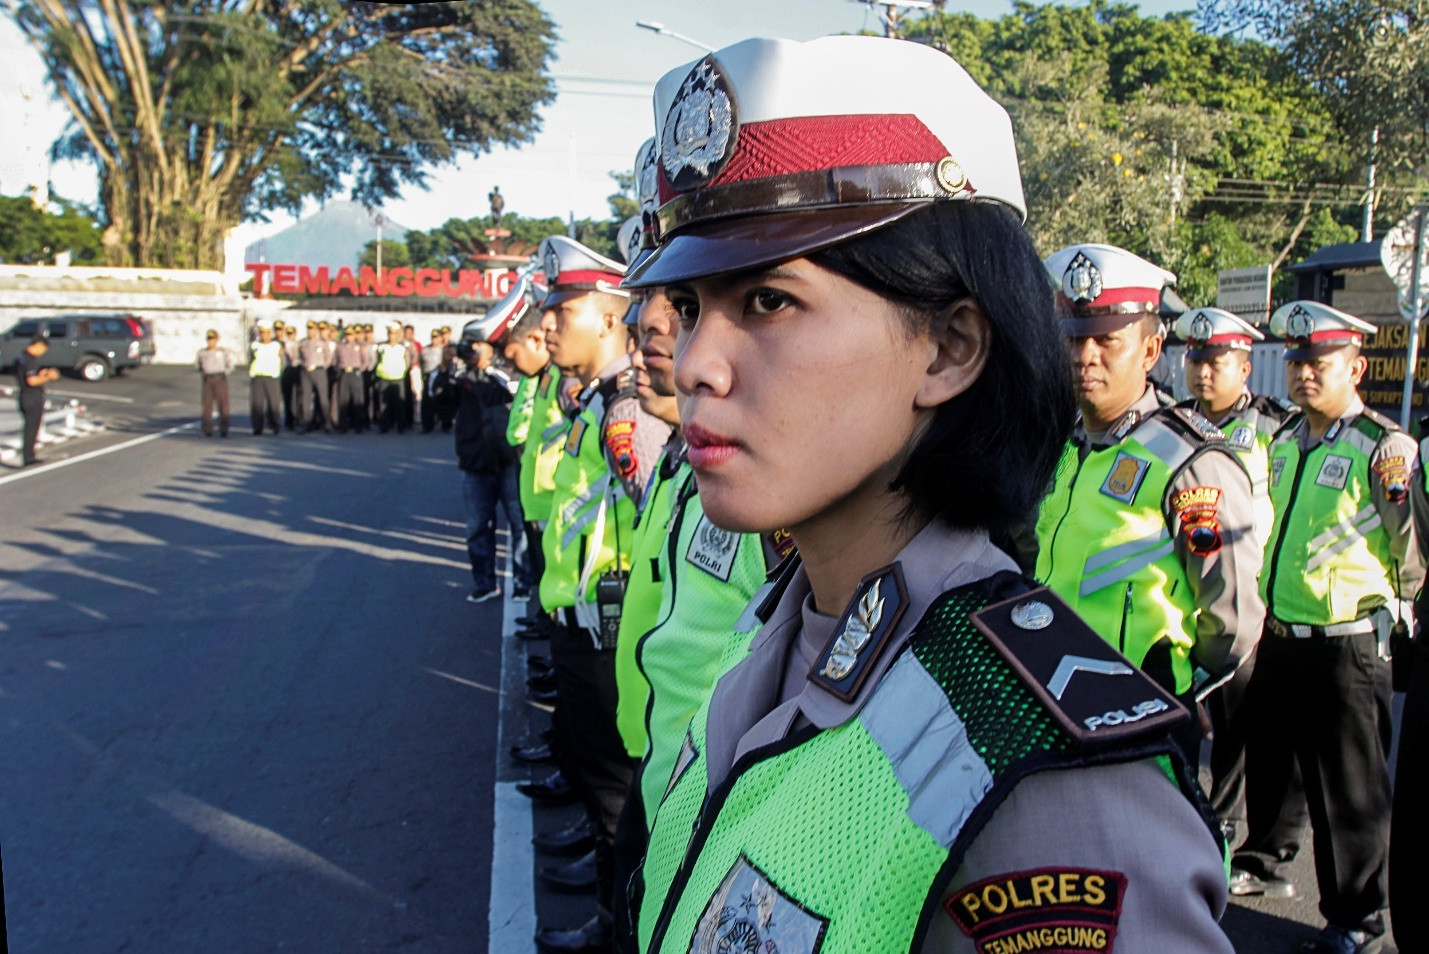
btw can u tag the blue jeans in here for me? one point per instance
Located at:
(482, 494)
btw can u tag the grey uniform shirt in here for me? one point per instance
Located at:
(315, 353)
(291, 358)
(215, 360)
(1127, 818)
(1226, 582)
(349, 356)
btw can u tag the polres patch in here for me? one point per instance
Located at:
(748, 912)
(1393, 475)
(620, 443)
(1065, 910)
(1124, 480)
(1198, 509)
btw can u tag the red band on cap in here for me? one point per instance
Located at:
(1335, 334)
(779, 147)
(586, 277)
(1227, 339)
(1115, 296)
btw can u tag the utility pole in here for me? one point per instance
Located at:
(378, 221)
(1176, 180)
(1367, 225)
(891, 12)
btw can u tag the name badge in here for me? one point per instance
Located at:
(1334, 472)
(573, 439)
(713, 550)
(1127, 473)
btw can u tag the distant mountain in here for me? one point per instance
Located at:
(335, 236)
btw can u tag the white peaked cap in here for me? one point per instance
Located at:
(836, 136)
(573, 270)
(1309, 326)
(1215, 329)
(1101, 288)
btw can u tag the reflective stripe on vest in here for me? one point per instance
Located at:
(698, 637)
(583, 490)
(843, 834)
(1115, 562)
(267, 360)
(1329, 559)
(391, 362)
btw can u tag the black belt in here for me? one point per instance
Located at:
(1354, 627)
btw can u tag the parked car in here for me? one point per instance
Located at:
(93, 346)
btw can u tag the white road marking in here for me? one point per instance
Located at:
(46, 468)
(86, 395)
(511, 915)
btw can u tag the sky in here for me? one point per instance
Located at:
(605, 71)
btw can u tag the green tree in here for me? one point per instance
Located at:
(395, 254)
(200, 114)
(1199, 151)
(30, 235)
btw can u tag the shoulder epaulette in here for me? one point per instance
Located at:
(1291, 422)
(1373, 424)
(1093, 692)
(1272, 406)
(1190, 424)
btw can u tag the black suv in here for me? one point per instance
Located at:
(95, 346)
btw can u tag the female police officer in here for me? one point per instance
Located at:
(918, 751)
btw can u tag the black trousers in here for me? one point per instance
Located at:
(32, 409)
(591, 753)
(351, 403)
(313, 389)
(391, 410)
(1409, 829)
(290, 379)
(536, 617)
(264, 403)
(632, 837)
(1226, 709)
(1323, 703)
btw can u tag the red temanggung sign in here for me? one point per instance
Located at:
(401, 282)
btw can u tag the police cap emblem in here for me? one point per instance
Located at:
(647, 185)
(1201, 328)
(1300, 324)
(1082, 281)
(701, 128)
(551, 264)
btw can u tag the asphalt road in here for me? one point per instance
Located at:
(244, 706)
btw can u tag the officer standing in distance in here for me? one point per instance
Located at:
(31, 380)
(1218, 365)
(214, 362)
(315, 356)
(291, 379)
(393, 362)
(264, 371)
(1148, 531)
(1342, 564)
(348, 361)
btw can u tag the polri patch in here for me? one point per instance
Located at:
(748, 912)
(1124, 480)
(1062, 910)
(713, 550)
(1334, 472)
(1242, 438)
(1095, 694)
(573, 439)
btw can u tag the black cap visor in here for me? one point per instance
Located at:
(755, 241)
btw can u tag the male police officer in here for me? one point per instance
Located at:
(1148, 530)
(264, 400)
(393, 363)
(1218, 365)
(609, 453)
(315, 353)
(1342, 562)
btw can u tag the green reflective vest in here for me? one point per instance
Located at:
(1328, 560)
(833, 841)
(267, 360)
(542, 450)
(523, 403)
(1105, 546)
(1251, 426)
(642, 605)
(591, 519)
(711, 576)
(391, 362)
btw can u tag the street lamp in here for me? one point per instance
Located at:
(663, 30)
(889, 15)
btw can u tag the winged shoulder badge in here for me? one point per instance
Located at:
(861, 626)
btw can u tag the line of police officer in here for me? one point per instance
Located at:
(341, 378)
(1246, 555)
